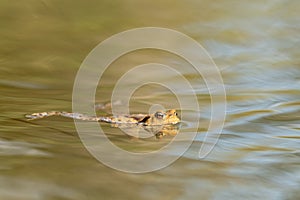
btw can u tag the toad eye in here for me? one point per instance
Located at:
(175, 113)
(159, 115)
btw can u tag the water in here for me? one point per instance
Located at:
(256, 47)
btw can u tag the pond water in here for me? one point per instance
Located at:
(255, 46)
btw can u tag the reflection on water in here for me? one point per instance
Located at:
(256, 47)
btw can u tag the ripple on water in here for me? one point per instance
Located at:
(18, 188)
(11, 148)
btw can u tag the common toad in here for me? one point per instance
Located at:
(160, 123)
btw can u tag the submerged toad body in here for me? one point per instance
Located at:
(165, 120)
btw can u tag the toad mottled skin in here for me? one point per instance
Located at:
(160, 123)
(158, 118)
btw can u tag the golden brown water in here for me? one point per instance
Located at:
(256, 47)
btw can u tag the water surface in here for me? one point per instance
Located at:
(254, 44)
